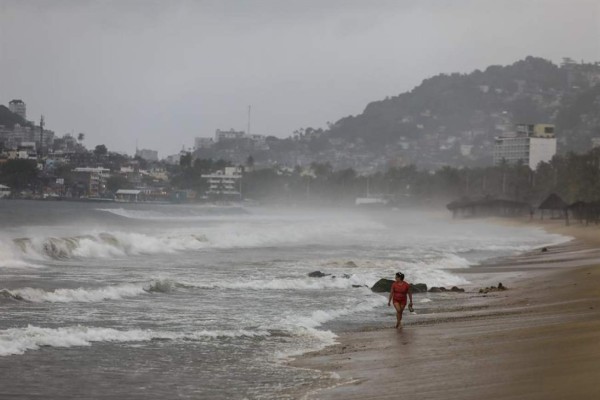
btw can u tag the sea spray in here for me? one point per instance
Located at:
(213, 297)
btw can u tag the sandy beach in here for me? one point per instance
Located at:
(540, 339)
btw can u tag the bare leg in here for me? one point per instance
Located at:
(399, 310)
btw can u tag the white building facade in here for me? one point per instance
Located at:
(530, 144)
(228, 135)
(225, 183)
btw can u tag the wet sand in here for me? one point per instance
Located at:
(538, 340)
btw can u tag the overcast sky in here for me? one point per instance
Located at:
(164, 72)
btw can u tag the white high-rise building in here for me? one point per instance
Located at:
(146, 154)
(530, 144)
(18, 107)
(228, 135)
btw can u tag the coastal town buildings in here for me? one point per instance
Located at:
(26, 151)
(17, 132)
(203, 143)
(530, 144)
(67, 143)
(15, 137)
(228, 135)
(173, 159)
(4, 191)
(18, 107)
(92, 179)
(225, 184)
(146, 154)
(128, 195)
(231, 135)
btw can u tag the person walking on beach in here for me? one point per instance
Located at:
(400, 289)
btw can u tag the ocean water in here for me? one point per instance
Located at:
(127, 301)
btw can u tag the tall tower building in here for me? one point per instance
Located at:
(18, 107)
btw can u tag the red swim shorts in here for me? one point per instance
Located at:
(401, 301)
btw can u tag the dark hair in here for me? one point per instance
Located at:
(400, 275)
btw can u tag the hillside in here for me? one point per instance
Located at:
(446, 120)
(452, 119)
(8, 119)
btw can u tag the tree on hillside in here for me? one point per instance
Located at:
(117, 182)
(19, 174)
(321, 170)
(100, 150)
(142, 162)
(186, 160)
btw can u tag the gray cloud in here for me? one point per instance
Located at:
(163, 72)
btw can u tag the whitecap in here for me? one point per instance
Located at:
(19, 340)
(85, 295)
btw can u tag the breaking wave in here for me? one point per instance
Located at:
(12, 257)
(107, 245)
(19, 340)
(224, 236)
(74, 295)
(87, 295)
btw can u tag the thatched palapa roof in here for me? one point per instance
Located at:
(553, 202)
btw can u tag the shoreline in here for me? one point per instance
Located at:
(538, 340)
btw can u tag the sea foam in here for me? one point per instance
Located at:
(308, 325)
(76, 295)
(240, 234)
(90, 295)
(19, 340)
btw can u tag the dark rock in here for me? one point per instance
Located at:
(317, 274)
(454, 289)
(382, 286)
(346, 276)
(356, 286)
(544, 249)
(418, 287)
(500, 288)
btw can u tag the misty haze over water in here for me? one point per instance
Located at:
(208, 301)
(154, 302)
